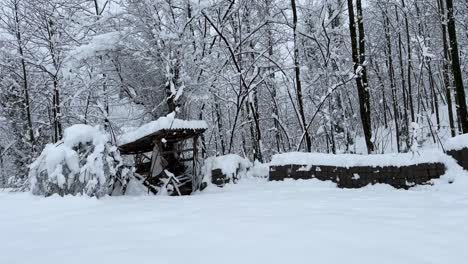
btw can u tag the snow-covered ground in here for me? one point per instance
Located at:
(251, 222)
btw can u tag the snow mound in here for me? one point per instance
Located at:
(259, 170)
(84, 162)
(457, 143)
(231, 165)
(165, 122)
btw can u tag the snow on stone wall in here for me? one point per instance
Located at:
(457, 143)
(356, 171)
(457, 147)
(351, 160)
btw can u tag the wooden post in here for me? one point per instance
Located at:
(195, 180)
(156, 143)
(2, 175)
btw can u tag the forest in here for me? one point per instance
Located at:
(233, 131)
(268, 76)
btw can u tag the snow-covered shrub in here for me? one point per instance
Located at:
(233, 166)
(259, 170)
(17, 184)
(84, 162)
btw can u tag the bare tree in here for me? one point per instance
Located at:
(456, 70)
(297, 71)
(359, 60)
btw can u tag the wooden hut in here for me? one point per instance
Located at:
(166, 154)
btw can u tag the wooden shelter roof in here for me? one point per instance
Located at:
(146, 143)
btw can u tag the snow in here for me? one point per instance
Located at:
(54, 155)
(384, 138)
(179, 93)
(231, 165)
(259, 170)
(250, 222)
(73, 166)
(81, 133)
(99, 43)
(351, 160)
(457, 143)
(165, 122)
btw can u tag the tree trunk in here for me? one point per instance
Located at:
(456, 70)
(358, 54)
(202, 137)
(384, 98)
(297, 70)
(434, 94)
(57, 111)
(271, 80)
(219, 122)
(409, 64)
(253, 100)
(391, 76)
(172, 84)
(57, 115)
(27, 102)
(446, 69)
(3, 180)
(404, 92)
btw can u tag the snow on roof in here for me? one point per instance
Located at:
(457, 143)
(163, 123)
(352, 160)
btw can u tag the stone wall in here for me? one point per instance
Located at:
(461, 156)
(357, 177)
(219, 178)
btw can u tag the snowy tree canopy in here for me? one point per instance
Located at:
(268, 76)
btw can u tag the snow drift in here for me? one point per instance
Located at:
(84, 162)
